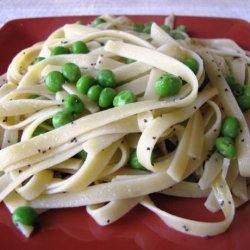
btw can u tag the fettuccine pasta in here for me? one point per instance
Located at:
(114, 157)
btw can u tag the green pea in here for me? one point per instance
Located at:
(230, 127)
(138, 27)
(82, 154)
(168, 85)
(237, 89)
(54, 81)
(38, 59)
(244, 99)
(192, 64)
(73, 104)
(94, 93)
(79, 47)
(225, 146)
(98, 21)
(230, 80)
(106, 78)
(71, 72)
(166, 28)
(123, 98)
(84, 83)
(59, 50)
(133, 161)
(177, 35)
(106, 98)
(147, 28)
(25, 215)
(129, 60)
(80, 22)
(39, 131)
(61, 118)
(181, 28)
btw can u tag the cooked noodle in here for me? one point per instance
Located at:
(33, 169)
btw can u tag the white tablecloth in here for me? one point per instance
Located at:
(13, 9)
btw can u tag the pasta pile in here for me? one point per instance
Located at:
(43, 171)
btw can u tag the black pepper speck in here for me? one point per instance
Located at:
(185, 228)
